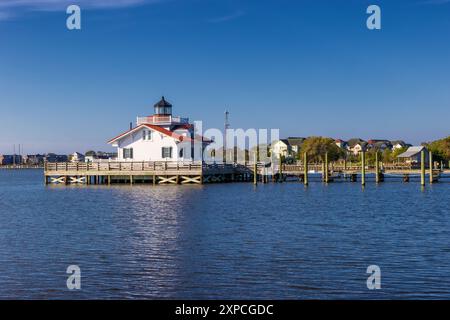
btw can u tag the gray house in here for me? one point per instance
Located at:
(413, 155)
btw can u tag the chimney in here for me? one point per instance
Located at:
(131, 125)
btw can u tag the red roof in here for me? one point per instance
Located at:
(169, 133)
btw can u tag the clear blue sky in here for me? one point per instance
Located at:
(307, 67)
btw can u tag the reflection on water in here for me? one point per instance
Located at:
(223, 241)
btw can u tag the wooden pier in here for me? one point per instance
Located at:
(199, 173)
(145, 172)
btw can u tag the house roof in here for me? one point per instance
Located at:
(353, 142)
(375, 141)
(295, 141)
(400, 142)
(162, 130)
(411, 152)
(379, 144)
(163, 103)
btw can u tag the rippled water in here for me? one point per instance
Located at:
(229, 241)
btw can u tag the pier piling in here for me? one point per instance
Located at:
(422, 168)
(255, 172)
(363, 168)
(305, 169)
(377, 168)
(430, 162)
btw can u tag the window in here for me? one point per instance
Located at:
(128, 153)
(147, 135)
(181, 153)
(166, 152)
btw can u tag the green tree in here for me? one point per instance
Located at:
(317, 147)
(440, 149)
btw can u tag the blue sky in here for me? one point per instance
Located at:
(307, 67)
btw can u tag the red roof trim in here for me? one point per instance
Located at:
(169, 133)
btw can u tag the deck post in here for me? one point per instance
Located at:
(422, 168)
(431, 167)
(305, 169)
(363, 168)
(326, 168)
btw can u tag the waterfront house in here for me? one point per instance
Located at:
(379, 145)
(52, 157)
(160, 137)
(7, 159)
(33, 159)
(399, 144)
(341, 143)
(76, 157)
(356, 145)
(99, 156)
(413, 155)
(289, 147)
(296, 144)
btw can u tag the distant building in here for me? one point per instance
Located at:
(289, 147)
(341, 143)
(33, 159)
(100, 156)
(76, 157)
(380, 145)
(7, 160)
(356, 145)
(399, 144)
(413, 155)
(51, 157)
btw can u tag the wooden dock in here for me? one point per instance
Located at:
(200, 173)
(144, 172)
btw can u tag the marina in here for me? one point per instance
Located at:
(200, 172)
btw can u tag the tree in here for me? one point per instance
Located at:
(440, 149)
(317, 147)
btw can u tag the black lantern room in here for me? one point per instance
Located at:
(163, 108)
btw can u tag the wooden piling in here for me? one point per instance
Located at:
(377, 168)
(305, 168)
(326, 168)
(255, 171)
(363, 168)
(431, 167)
(422, 168)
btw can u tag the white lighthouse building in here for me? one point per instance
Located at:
(160, 137)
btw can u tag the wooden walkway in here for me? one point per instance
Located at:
(144, 172)
(199, 173)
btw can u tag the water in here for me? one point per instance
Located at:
(229, 241)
